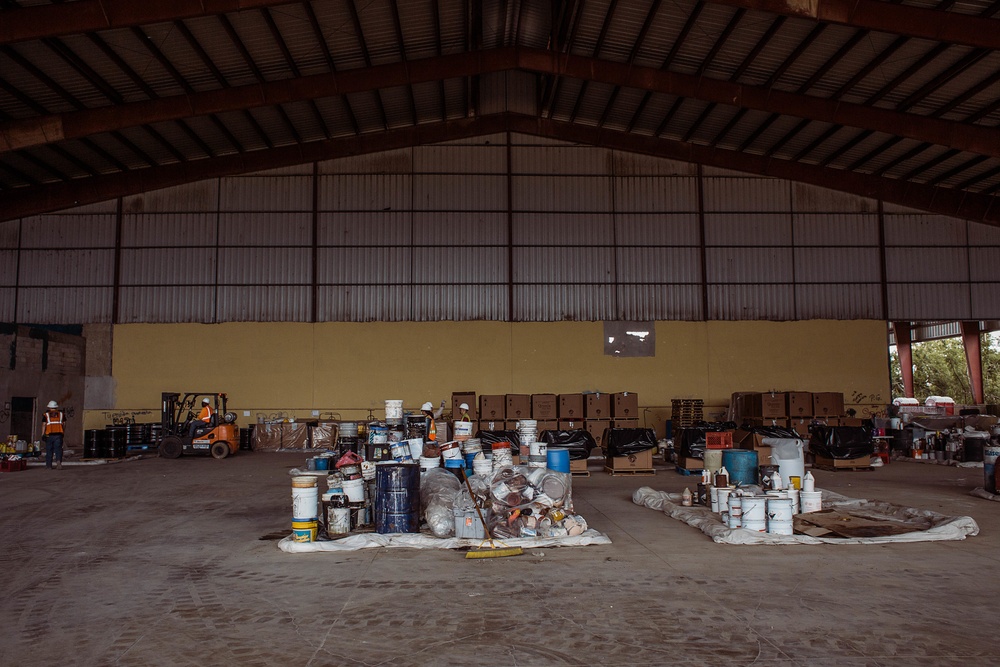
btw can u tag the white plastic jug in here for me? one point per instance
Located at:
(787, 454)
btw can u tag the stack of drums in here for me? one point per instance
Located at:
(93, 443)
(246, 438)
(117, 442)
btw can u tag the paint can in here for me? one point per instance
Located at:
(755, 513)
(397, 498)
(482, 466)
(304, 531)
(713, 494)
(338, 520)
(321, 463)
(779, 516)
(463, 430)
(416, 447)
(723, 493)
(793, 495)
(472, 446)
(393, 409)
(348, 430)
(810, 501)
(557, 458)
(991, 452)
(735, 504)
(537, 461)
(396, 434)
(501, 454)
(305, 498)
(416, 426)
(355, 489)
(451, 450)
(741, 465)
(455, 467)
(378, 433)
(401, 451)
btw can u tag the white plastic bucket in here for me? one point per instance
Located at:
(416, 448)
(735, 511)
(724, 492)
(463, 430)
(779, 516)
(451, 450)
(401, 451)
(811, 501)
(793, 495)
(305, 498)
(755, 513)
(393, 409)
(426, 463)
(714, 494)
(713, 459)
(355, 490)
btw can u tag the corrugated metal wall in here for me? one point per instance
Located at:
(536, 230)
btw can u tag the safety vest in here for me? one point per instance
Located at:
(431, 429)
(53, 422)
(206, 414)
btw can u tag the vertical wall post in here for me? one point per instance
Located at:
(905, 350)
(972, 341)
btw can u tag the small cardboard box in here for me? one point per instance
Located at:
(492, 407)
(625, 423)
(801, 426)
(640, 461)
(691, 463)
(518, 406)
(544, 406)
(828, 404)
(570, 424)
(597, 406)
(800, 404)
(625, 405)
(578, 465)
(860, 462)
(773, 406)
(457, 398)
(596, 428)
(570, 406)
(547, 425)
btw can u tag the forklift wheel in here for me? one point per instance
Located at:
(220, 449)
(171, 447)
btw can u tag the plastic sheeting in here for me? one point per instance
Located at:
(628, 441)
(927, 526)
(423, 541)
(980, 492)
(841, 442)
(579, 442)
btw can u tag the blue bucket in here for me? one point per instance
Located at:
(741, 464)
(322, 462)
(469, 458)
(557, 458)
(397, 498)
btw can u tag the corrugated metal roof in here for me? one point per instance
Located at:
(837, 265)
(460, 228)
(459, 265)
(563, 229)
(744, 194)
(364, 304)
(563, 265)
(364, 266)
(93, 230)
(364, 228)
(985, 300)
(7, 299)
(851, 301)
(924, 230)
(366, 192)
(265, 266)
(656, 194)
(274, 228)
(64, 305)
(66, 267)
(166, 304)
(680, 229)
(851, 229)
(748, 229)
(923, 265)
(749, 265)
(442, 192)
(459, 302)
(561, 193)
(658, 265)
(169, 229)
(263, 304)
(548, 303)
(577, 160)
(8, 269)
(929, 301)
(168, 266)
(659, 302)
(751, 302)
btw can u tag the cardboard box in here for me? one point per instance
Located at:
(860, 462)
(518, 406)
(828, 404)
(625, 405)
(492, 407)
(640, 461)
(571, 424)
(850, 421)
(625, 423)
(597, 406)
(570, 406)
(596, 428)
(829, 421)
(544, 406)
(490, 425)
(766, 422)
(745, 404)
(457, 398)
(800, 404)
(801, 426)
(690, 463)
(773, 405)
(755, 441)
(547, 425)
(579, 465)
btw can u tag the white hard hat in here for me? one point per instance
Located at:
(53, 404)
(463, 406)
(426, 406)
(206, 400)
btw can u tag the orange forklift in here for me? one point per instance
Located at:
(220, 437)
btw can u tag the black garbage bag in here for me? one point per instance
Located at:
(627, 441)
(579, 442)
(841, 442)
(690, 441)
(773, 431)
(489, 437)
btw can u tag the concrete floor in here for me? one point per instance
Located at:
(159, 562)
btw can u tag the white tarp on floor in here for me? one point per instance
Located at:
(423, 541)
(980, 492)
(927, 526)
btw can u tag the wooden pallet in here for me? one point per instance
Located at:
(581, 473)
(634, 472)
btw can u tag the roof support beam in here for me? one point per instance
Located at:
(73, 18)
(35, 200)
(886, 17)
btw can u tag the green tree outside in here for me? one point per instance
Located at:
(940, 369)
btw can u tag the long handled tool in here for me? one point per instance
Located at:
(492, 551)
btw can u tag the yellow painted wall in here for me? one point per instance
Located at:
(349, 368)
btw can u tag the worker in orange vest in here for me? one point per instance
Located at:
(53, 420)
(204, 417)
(431, 415)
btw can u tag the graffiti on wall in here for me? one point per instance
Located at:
(126, 417)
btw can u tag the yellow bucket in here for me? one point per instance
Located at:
(304, 531)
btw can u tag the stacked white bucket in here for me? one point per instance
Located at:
(527, 433)
(771, 513)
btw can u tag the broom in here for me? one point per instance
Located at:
(492, 551)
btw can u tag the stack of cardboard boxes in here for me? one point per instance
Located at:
(792, 409)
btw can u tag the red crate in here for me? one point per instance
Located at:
(13, 466)
(719, 440)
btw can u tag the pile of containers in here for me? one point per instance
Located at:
(766, 509)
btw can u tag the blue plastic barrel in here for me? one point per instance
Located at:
(557, 458)
(322, 462)
(397, 498)
(741, 464)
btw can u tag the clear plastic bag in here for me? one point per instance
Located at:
(438, 490)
